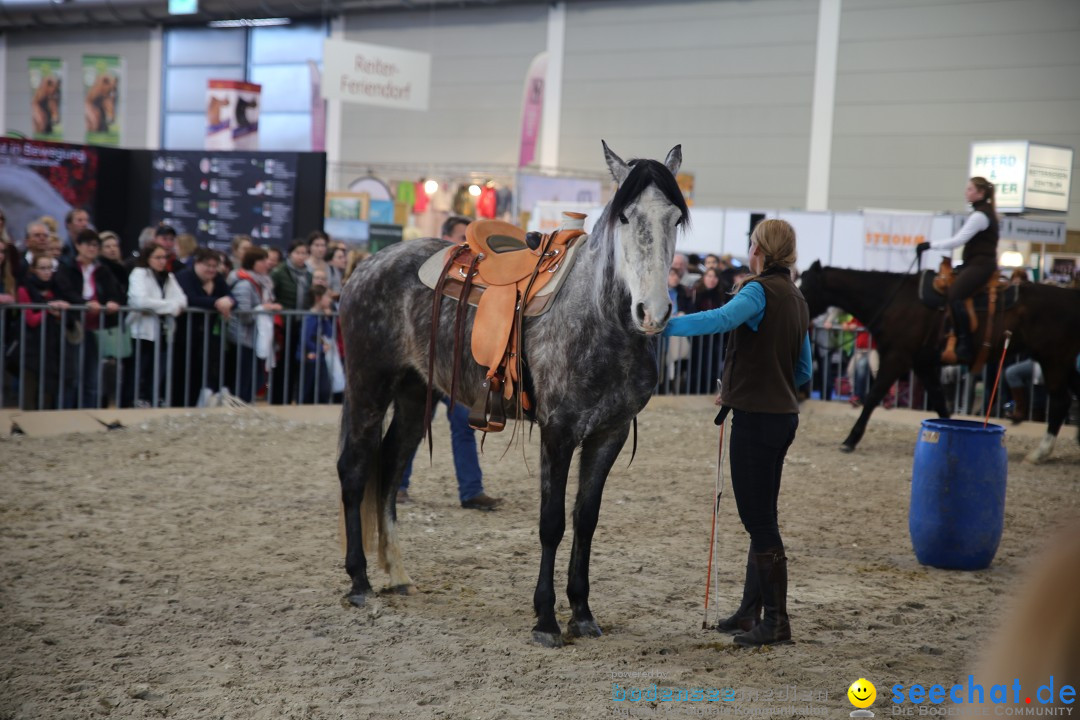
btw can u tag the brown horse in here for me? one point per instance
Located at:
(1045, 322)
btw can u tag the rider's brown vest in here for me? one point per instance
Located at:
(982, 247)
(759, 369)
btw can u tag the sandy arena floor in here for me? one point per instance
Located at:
(190, 568)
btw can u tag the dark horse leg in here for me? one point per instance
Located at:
(556, 452)
(369, 468)
(399, 445)
(598, 454)
(1059, 382)
(888, 372)
(927, 370)
(361, 426)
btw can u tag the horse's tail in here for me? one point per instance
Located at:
(371, 515)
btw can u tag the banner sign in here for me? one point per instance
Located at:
(1026, 175)
(532, 108)
(890, 239)
(1038, 231)
(46, 78)
(218, 195)
(376, 75)
(101, 80)
(43, 178)
(1049, 176)
(232, 115)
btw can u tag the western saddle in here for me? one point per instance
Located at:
(995, 295)
(508, 275)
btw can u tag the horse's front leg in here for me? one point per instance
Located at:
(557, 450)
(598, 454)
(878, 390)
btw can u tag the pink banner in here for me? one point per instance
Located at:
(532, 106)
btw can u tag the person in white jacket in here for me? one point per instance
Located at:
(156, 298)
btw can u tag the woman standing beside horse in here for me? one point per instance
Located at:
(979, 236)
(768, 358)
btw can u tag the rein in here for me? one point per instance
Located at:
(882, 309)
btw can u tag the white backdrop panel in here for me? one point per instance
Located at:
(813, 232)
(847, 241)
(705, 234)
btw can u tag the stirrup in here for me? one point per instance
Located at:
(489, 413)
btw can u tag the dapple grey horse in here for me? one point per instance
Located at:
(590, 362)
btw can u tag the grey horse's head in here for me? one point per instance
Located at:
(645, 215)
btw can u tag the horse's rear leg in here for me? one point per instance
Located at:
(598, 454)
(398, 447)
(557, 450)
(361, 426)
(1058, 400)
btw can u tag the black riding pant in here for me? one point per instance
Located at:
(972, 276)
(759, 442)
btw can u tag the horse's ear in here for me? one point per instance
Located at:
(816, 265)
(619, 169)
(674, 159)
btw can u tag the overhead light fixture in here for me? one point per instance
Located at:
(249, 22)
(1011, 259)
(431, 187)
(474, 190)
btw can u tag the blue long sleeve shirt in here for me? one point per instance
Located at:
(747, 307)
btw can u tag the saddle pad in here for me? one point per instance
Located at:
(930, 297)
(432, 268)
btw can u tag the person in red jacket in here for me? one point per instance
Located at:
(41, 379)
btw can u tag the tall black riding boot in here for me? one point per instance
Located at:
(749, 613)
(774, 629)
(965, 351)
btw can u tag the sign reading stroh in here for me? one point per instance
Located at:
(1026, 175)
(890, 238)
(376, 75)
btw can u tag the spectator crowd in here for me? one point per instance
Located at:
(173, 323)
(84, 325)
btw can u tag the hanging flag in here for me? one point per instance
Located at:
(46, 78)
(101, 79)
(532, 107)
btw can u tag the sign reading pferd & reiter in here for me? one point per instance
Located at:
(376, 75)
(1026, 175)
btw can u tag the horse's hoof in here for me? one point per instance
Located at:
(584, 628)
(406, 589)
(354, 600)
(847, 448)
(547, 639)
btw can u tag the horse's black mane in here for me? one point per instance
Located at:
(642, 173)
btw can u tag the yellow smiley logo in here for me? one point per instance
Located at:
(862, 693)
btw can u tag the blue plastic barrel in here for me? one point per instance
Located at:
(958, 494)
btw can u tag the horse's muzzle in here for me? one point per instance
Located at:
(649, 323)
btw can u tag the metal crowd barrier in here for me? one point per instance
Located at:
(693, 366)
(61, 363)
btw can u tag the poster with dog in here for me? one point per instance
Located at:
(46, 79)
(101, 79)
(232, 115)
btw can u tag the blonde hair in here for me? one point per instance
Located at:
(355, 257)
(776, 241)
(186, 244)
